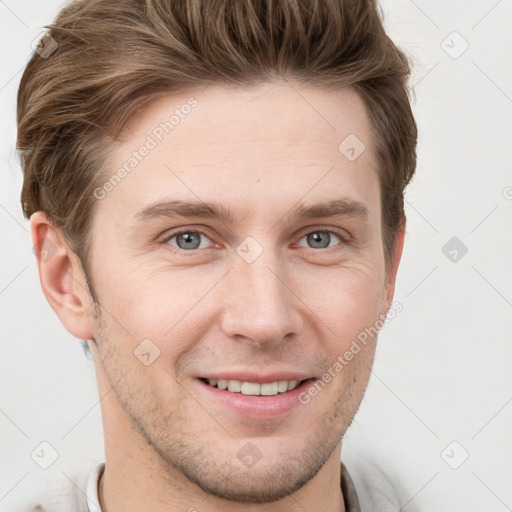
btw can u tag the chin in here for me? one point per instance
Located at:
(263, 483)
(258, 470)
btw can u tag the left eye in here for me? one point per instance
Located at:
(189, 240)
(321, 239)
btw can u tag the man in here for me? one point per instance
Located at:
(215, 192)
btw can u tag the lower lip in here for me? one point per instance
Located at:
(257, 407)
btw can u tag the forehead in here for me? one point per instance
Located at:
(256, 147)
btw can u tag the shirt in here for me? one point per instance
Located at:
(365, 489)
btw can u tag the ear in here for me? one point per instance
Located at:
(389, 287)
(61, 276)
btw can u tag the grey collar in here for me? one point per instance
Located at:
(349, 491)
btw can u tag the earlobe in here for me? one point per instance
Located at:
(389, 290)
(61, 276)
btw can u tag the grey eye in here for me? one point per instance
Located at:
(187, 240)
(321, 239)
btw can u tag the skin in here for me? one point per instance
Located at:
(258, 151)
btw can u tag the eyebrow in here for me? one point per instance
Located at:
(344, 207)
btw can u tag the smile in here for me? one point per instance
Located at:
(274, 397)
(254, 388)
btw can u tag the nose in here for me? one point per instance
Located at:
(260, 306)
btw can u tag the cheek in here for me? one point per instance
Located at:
(172, 309)
(347, 299)
(349, 311)
(138, 288)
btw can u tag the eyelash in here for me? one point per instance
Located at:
(345, 240)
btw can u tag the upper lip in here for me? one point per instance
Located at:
(260, 378)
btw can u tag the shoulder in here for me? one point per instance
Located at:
(53, 491)
(374, 490)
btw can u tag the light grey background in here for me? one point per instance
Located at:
(442, 372)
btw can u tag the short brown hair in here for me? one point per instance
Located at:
(113, 57)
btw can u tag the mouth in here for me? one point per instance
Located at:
(254, 388)
(272, 399)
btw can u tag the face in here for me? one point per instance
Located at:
(243, 246)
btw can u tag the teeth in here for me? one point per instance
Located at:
(250, 388)
(253, 388)
(235, 386)
(282, 386)
(269, 389)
